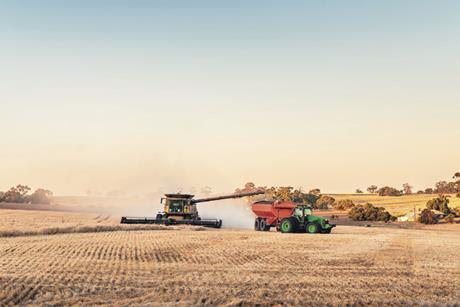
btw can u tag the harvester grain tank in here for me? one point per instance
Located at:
(181, 209)
(288, 217)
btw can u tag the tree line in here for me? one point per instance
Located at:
(21, 194)
(440, 187)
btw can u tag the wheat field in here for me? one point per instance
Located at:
(182, 267)
(396, 205)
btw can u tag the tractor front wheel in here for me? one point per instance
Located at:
(313, 228)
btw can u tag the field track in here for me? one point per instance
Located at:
(232, 267)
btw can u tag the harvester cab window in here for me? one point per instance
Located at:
(175, 206)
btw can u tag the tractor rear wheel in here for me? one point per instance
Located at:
(288, 225)
(313, 227)
(257, 224)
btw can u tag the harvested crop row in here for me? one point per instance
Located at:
(354, 265)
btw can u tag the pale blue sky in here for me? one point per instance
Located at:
(134, 95)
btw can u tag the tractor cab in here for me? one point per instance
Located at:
(302, 211)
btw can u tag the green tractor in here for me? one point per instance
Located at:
(302, 220)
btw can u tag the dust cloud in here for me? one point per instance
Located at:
(234, 213)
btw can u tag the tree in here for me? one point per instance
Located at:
(428, 217)
(429, 191)
(284, 193)
(407, 188)
(1, 196)
(389, 191)
(16, 194)
(343, 204)
(444, 187)
(249, 186)
(358, 191)
(325, 202)
(41, 196)
(371, 189)
(456, 175)
(440, 203)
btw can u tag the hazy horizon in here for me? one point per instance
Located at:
(142, 96)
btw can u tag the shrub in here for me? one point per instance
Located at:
(456, 211)
(429, 191)
(324, 202)
(368, 212)
(343, 204)
(440, 203)
(389, 191)
(420, 192)
(458, 195)
(450, 218)
(358, 191)
(428, 217)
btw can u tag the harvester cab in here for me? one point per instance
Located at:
(179, 206)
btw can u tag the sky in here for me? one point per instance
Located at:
(141, 96)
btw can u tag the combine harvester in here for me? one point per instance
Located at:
(288, 217)
(180, 209)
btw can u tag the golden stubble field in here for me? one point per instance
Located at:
(353, 265)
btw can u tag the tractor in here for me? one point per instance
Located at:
(288, 217)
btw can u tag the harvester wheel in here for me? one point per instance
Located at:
(288, 225)
(257, 224)
(313, 227)
(263, 225)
